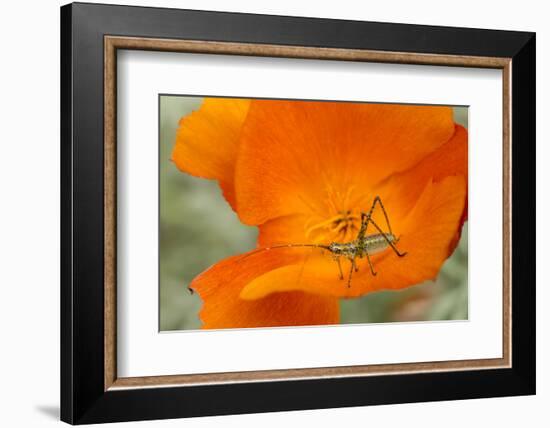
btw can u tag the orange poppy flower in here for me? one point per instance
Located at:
(303, 172)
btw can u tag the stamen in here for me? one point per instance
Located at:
(323, 224)
(310, 206)
(340, 225)
(348, 196)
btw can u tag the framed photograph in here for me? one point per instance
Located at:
(266, 213)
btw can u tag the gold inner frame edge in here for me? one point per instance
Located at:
(113, 43)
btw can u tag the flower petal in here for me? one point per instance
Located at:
(426, 235)
(400, 192)
(293, 154)
(289, 229)
(220, 286)
(207, 141)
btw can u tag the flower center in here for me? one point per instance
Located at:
(342, 227)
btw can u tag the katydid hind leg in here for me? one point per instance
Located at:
(390, 243)
(378, 200)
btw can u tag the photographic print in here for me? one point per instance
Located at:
(281, 213)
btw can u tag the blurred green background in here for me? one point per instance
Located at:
(198, 228)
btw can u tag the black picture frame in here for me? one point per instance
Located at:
(83, 396)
